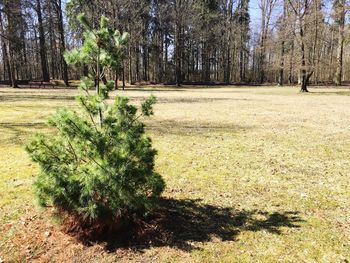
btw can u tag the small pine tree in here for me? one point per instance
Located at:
(99, 164)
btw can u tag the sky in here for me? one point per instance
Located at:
(254, 10)
(255, 13)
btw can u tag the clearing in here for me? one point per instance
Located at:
(254, 174)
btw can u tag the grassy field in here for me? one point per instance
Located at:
(254, 174)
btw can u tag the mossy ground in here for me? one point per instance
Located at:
(253, 174)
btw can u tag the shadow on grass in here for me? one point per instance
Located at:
(183, 223)
(189, 100)
(188, 128)
(28, 97)
(16, 132)
(70, 97)
(339, 93)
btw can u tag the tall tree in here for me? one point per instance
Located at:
(282, 30)
(307, 19)
(243, 20)
(13, 11)
(60, 27)
(177, 41)
(340, 11)
(266, 7)
(43, 57)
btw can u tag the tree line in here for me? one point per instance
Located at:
(183, 41)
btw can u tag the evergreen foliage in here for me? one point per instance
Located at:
(99, 164)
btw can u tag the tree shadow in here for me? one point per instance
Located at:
(16, 132)
(190, 128)
(35, 97)
(182, 223)
(188, 100)
(339, 93)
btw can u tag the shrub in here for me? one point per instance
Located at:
(98, 165)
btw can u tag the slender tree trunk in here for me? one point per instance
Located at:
(178, 22)
(116, 79)
(340, 12)
(228, 66)
(262, 42)
(98, 76)
(43, 58)
(5, 54)
(165, 53)
(130, 66)
(303, 76)
(62, 42)
(283, 30)
(281, 69)
(13, 11)
(54, 73)
(123, 77)
(6, 61)
(137, 62)
(145, 62)
(12, 68)
(330, 68)
(241, 63)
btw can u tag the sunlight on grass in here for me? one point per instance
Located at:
(264, 152)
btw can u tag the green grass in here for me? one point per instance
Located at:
(254, 174)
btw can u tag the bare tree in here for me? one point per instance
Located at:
(307, 19)
(266, 7)
(340, 12)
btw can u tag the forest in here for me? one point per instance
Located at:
(183, 41)
(175, 131)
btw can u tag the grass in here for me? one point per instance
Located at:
(254, 174)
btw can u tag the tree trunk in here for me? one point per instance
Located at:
(130, 66)
(98, 76)
(303, 76)
(281, 69)
(340, 12)
(43, 58)
(13, 11)
(116, 80)
(283, 31)
(6, 59)
(62, 42)
(123, 77)
(12, 69)
(178, 23)
(304, 84)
